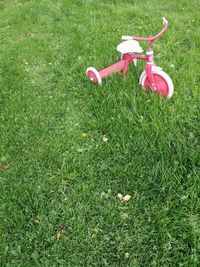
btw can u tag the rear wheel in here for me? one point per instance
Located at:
(93, 75)
(164, 84)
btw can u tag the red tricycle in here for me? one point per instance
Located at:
(153, 77)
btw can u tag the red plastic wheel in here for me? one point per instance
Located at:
(164, 84)
(93, 75)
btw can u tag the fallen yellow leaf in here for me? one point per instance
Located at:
(58, 236)
(37, 221)
(84, 134)
(127, 198)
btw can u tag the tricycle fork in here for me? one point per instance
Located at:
(149, 68)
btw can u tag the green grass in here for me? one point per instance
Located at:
(59, 181)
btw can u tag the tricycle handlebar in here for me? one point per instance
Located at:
(150, 39)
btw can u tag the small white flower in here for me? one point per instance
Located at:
(120, 196)
(105, 139)
(109, 191)
(141, 119)
(126, 255)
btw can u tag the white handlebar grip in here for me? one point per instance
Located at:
(125, 37)
(164, 21)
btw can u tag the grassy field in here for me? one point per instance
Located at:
(67, 147)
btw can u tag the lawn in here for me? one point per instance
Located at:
(68, 148)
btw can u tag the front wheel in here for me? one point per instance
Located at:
(164, 84)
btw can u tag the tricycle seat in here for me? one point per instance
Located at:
(130, 46)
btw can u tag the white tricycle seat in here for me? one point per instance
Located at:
(130, 46)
